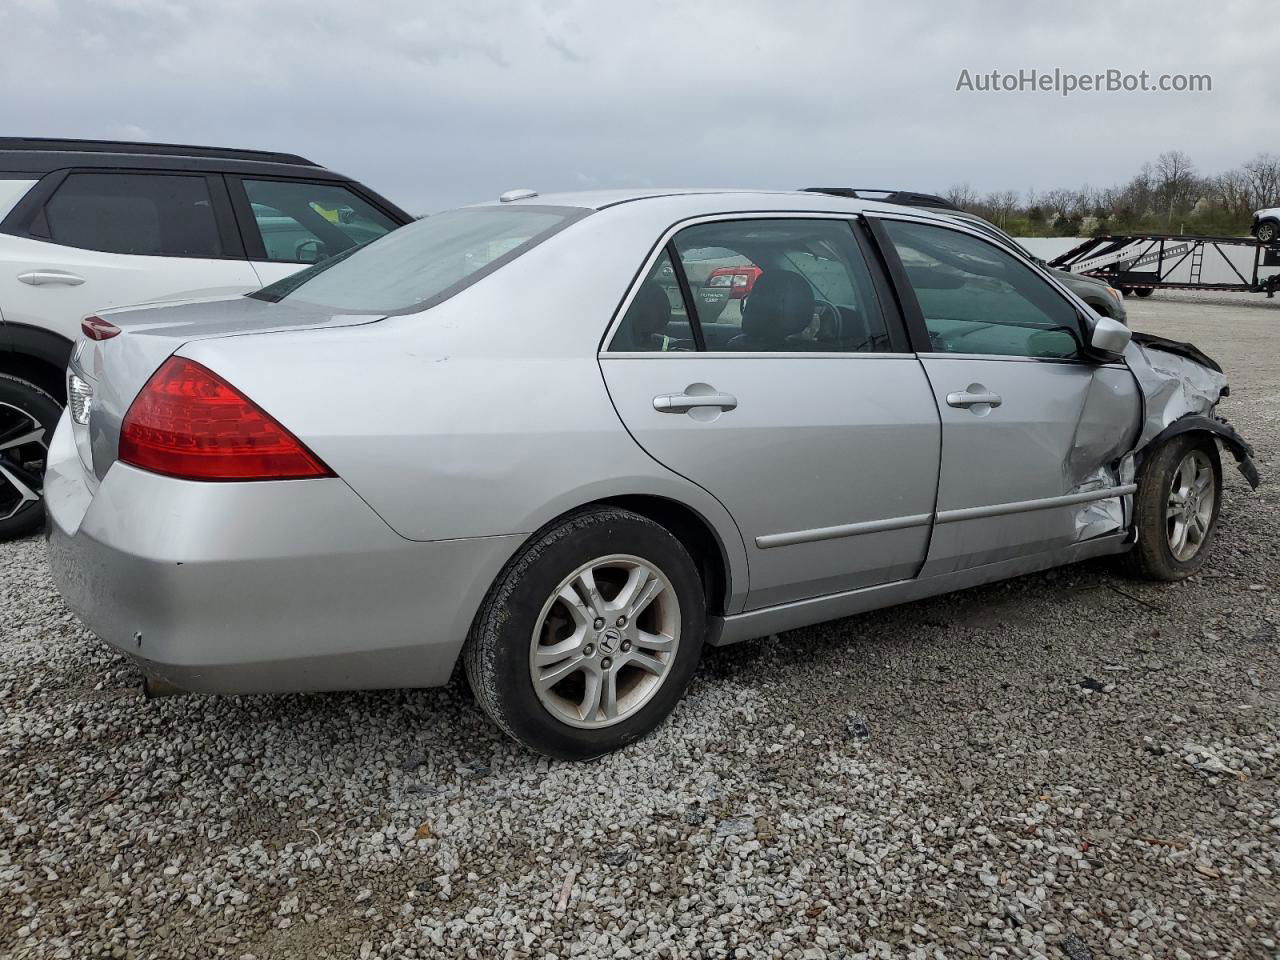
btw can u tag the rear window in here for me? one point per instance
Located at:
(422, 263)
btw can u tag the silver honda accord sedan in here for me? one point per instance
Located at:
(575, 439)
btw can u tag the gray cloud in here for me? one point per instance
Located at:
(437, 104)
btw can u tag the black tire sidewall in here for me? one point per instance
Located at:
(30, 399)
(524, 589)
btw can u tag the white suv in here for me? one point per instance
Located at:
(1266, 224)
(86, 225)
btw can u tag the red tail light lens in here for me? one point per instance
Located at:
(740, 280)
(190, 423)
(95, 328)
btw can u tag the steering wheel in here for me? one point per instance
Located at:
(820, 307)
(309, 251)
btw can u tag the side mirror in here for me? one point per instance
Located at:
(1108, 338)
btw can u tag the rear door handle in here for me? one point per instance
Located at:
(684, 402)
(38, 278)
(966, 399)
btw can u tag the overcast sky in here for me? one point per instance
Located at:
(438, 104)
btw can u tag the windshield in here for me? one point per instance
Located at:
(423, 263)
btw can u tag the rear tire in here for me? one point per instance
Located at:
(1144, 291)
(579, 677)
(26, 411)
(1176, 509)
(1267, 232)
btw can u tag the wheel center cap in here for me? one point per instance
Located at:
(609, 641)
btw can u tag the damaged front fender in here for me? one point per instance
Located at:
(1181, 387)
(1224, 433)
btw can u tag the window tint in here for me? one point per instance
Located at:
(150, 214)
(781, 285)
(309, 222)
(424, 262)
(656, 320)
(979, 299)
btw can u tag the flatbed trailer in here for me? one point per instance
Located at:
(1141, 263)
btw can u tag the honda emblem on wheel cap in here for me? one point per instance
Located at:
(609, 640)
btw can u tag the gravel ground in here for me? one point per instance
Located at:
(1066, 765)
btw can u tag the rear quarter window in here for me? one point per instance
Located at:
(11, 191)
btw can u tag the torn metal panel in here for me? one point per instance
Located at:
(1174, 385)
(1098, 517)
(1108, 425)
(1097, 450)
(1181, 388)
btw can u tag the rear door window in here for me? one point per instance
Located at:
(782, 285)
(168, 215)
(304, 222)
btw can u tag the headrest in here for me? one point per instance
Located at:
(780, 305)
(650, 312)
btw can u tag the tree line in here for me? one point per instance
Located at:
(1168, 195)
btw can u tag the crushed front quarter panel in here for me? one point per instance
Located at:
(1181, 388)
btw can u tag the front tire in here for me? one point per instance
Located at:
(28, 417)
(589, 636)
(1176, 509)
(1267, 232)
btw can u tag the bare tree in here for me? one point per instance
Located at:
(1233, 191)
(1176, 182)
(1162, 190)
(1058, 203)
(962, 195)
(1263, 174)
(1000, 206)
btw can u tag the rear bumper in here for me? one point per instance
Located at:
(259, 587)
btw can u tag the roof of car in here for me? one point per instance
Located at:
(725, 199)
(908, 198)
(36, 156)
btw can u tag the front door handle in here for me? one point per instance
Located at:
(684, 402)
(967, 398)
(40, 277)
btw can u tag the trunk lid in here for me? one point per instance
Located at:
(117, 368)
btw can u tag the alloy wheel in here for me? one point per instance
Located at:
(605, 641)
(1189, 508)
(23, 451)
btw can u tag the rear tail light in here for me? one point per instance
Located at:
(95, 328)
(740, 280)
(190, 423)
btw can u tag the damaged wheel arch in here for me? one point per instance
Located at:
(1220, 430)
(1181, 388)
